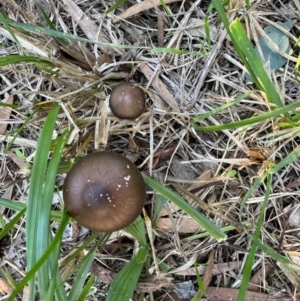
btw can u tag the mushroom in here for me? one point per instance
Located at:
(104, 192)
(127, 101)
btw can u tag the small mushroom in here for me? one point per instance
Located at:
(104, 192)
(127, 101)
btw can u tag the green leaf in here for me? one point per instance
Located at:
(280, 38)
(211, 228)
(123, 285)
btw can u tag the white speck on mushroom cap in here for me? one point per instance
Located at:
(127, 178)
(128, 167)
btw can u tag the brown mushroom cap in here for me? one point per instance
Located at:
(104, 191)
(127, 101)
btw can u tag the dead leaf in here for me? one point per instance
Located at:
(209, 269)
(160, 29)
(257, 154)
(184, 224)
(230, 294)
(294, 184)
(159, 87)
(218, 268)
(162, 156)
(5, 114)
(256, 280)
(20, 162)
(5, 288)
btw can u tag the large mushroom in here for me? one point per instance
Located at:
(127, 101)
(104, 192)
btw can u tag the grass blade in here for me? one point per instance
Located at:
(31, 273)
(13, 222)
(125, 282)
(250, 258)
(138, 231)
(37, 211)
(250, 121)
(249, 57)
(187, 208)
(80, 279)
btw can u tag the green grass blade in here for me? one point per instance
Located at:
(31, 273)
(37, 224)
(220, 108)
(214, 231)
(138, 231)
(289, 159)
(86, 289)
(80, 279)
(13, 222)
(249, 57)
(250, 121)
(47, 196)
(10, 204)
(115, 6)
(125, 282)
(261, 77)
(3, 20)
(84, 245)
(251, 256)
(17, 58)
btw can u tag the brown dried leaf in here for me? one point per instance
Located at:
(257, 154)
(218, 268)
(256, 279)
(162, 156)
(5, 114)
(229, 294)
(159, 86)
(293, 184)
(184, 224)
(20, 162)
(209, 269)
(5, 288)
(144, 287)
(160, 29)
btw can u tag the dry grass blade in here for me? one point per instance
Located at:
(142, 6)
(208, 138)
